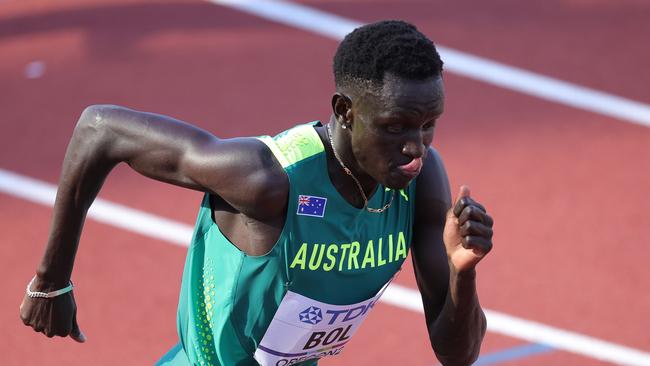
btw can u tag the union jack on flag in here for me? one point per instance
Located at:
(311, 206)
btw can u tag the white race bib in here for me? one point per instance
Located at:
(303, 329)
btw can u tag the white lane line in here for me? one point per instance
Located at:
(102, 211)
(535, 332)
(406, 298)
(461, 63)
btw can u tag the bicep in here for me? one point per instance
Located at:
(179, 153)
(157, 146)
(429, 255)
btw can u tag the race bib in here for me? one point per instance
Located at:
(304, 329)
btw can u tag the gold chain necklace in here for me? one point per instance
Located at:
(348, 172)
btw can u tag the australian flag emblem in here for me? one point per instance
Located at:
(311, 206)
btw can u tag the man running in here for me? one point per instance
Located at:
(298, 234)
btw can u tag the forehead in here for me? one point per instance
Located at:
(397, 94)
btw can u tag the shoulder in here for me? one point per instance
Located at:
(262, 187)
(433, 196)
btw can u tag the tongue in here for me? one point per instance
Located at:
(413, 166)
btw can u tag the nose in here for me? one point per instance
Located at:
(414, 147)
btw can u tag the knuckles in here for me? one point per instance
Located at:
(467, 228)
(62, 332)
(477, 242)
(461, 204)
(24, 318)
(476, 213)
(475, 228)
(34, 315)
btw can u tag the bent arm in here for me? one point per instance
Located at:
(158, 147)
(242, 171)
(454, 318)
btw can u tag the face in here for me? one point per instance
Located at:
(392, 128)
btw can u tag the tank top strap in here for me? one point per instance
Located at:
(295, 144)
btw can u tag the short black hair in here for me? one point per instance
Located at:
(389, 46)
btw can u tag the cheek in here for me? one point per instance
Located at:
(427, 138)
(374, 156)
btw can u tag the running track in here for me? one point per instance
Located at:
(568, 186)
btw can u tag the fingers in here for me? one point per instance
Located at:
(477, 243)
(474, 213)
(52, 317)
(463, 200)
(476, 229)
(63, 328)
(474, 223)
(23, 312)
(38, 328)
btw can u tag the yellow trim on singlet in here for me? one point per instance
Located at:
(294, 145)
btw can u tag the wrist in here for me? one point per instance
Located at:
(34, 293)
(462, 274)
(462, 285)
(47, 280)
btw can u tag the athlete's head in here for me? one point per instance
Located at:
(369, 52)
(389, 94)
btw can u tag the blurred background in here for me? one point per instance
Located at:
(566, 175)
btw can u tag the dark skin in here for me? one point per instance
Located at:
(386, 127)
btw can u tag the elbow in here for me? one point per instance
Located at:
(90, 124)
(94, 118)
(475, 348)
(93, 128)
(463, 350)
(91, 138)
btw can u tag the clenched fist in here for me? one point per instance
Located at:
(468, 232)
(53, 317)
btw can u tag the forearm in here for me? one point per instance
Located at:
(458, 331)
(85, 167)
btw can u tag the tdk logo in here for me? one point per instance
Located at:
(311, 315)
(314, 315)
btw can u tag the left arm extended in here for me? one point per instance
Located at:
(448, 243)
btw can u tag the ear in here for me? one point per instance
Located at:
(342, 108)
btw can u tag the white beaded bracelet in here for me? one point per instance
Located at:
(47, 295)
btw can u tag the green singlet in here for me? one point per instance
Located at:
(328, 251)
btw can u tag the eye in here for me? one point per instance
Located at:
(394, 128)
(429, 125)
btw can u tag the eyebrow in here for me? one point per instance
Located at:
(411, 112)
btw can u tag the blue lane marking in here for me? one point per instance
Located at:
(513, 353)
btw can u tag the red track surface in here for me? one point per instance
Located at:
(568, 188)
